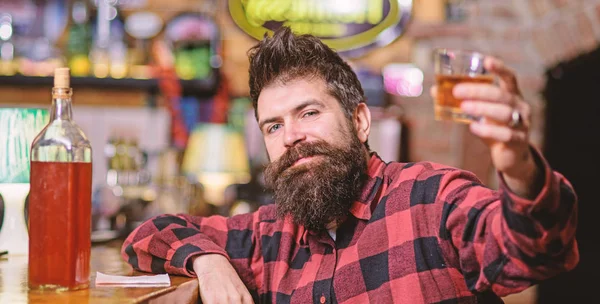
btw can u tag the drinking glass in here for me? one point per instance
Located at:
(451, 68)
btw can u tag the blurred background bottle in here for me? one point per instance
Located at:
(7, 47)
(78, 44)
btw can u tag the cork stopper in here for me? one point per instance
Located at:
(62, 78)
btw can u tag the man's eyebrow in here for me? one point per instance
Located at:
(298, 108)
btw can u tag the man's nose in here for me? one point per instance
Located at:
(293, 135)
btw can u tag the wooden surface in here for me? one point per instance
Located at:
(106, 259)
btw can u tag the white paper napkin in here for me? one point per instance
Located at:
(106, 280)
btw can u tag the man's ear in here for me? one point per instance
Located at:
(362, 121)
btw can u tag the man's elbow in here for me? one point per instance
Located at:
(550, 265)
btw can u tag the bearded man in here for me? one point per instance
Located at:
(349, 228)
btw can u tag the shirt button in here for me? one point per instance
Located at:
(323, 300)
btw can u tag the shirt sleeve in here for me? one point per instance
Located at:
(504, 242)
(166, 243)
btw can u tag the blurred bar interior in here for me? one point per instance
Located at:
(161, 91)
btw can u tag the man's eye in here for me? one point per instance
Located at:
(310, 113)
(273, 128)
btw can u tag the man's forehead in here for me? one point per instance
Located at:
(287, 95)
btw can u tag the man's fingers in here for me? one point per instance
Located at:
(225, 294)
(484, 92)
(247, 299)
(237, 298)
(500, 113)
(433, 91)
(497, 133)
(508, 80)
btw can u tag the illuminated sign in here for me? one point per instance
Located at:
(349, 26)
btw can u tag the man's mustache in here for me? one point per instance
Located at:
(292, 155)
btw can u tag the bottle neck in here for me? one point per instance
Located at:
(61, 104)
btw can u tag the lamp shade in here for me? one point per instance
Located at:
(18, 129)
(216, 157)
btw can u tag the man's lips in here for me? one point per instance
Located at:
(303, 160)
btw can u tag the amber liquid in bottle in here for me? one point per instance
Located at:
(60, 199)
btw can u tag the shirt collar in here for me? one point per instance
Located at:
(363, 207)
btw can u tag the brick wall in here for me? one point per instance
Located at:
(531, 36)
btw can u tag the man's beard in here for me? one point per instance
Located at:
(322, 190)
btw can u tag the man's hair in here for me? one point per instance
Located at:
(287, 57)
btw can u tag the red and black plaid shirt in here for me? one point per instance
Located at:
(420, 233)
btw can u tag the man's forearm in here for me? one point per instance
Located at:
(528, 182)
(159, 240)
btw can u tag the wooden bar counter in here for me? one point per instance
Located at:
(106, 259)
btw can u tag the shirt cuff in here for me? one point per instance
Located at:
(524, 205)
